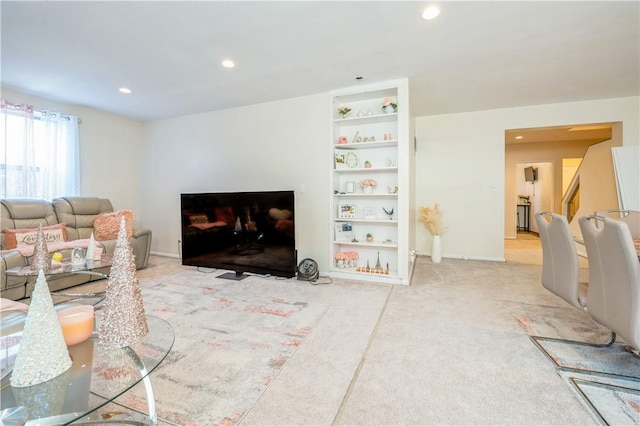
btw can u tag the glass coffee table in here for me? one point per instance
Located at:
(96, 378)
(90, 267)
(67, 267)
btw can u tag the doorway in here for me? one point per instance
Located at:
(536, 189)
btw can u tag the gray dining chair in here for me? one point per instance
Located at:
(630, 217)
(560, 268)
(614, 277)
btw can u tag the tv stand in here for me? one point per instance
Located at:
(235, 276)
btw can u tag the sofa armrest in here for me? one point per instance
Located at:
(9, 260)
(143, 239)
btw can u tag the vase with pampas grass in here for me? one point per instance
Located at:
(432, 219)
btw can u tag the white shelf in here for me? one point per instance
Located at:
(363, 195)
(364, 169)
(367, 119)
(363, 145)
(384, 221)
(379, 244)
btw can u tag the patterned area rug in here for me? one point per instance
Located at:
(232, 340)
(606, 379)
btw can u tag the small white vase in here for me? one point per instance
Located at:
(368, 189)
(388, 109)
(436, 249)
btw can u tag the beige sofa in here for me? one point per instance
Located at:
(78, 215)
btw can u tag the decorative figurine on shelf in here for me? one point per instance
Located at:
(388, 213)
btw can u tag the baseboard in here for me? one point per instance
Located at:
(161, 254)
(453, 256)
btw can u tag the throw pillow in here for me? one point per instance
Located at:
(107, 225)
(198, 218)
(14, 238)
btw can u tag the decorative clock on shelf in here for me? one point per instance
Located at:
(352, 160)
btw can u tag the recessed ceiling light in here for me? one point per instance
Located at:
(228, 63)
(124, 90)
(430, 12)
(519, 137)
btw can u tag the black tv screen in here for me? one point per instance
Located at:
(240, 231)
(530, 174)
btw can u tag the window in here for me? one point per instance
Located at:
(39, 156)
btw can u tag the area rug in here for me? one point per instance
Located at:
(232, 340)
(547, 324)
(614, 403)
(606, 379)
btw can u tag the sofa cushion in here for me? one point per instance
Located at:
(107, 225)
(78, 213)
(15, 238)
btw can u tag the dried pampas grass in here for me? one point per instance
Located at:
(431, 217)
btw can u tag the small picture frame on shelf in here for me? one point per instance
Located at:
(346, 211)
(340, 158)
(344, 231)
(370, 213)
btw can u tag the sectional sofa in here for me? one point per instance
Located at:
(69, 222)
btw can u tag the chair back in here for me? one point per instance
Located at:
(630, 217)
(560, 269)
(614, 276)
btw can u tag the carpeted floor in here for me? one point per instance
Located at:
(452, 348)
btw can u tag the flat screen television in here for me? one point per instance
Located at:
(530, 174)
(251, 232)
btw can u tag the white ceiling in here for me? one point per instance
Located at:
(474, 56)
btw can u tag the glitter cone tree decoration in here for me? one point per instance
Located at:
(123, 319)
(43, 354)
(40, 258)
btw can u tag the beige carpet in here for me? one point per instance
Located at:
(526, 249)
(448, 349)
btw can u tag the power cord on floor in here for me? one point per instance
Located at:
(318, 282)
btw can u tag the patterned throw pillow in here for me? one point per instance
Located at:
(107, 225)
(15, 238)
(198, 218)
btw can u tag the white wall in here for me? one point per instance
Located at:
(460, 163)
(461, 166)
(110, 149)
(280, 145)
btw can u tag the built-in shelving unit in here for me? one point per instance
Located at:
(368, 144)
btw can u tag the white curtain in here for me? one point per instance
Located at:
(39, 153)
